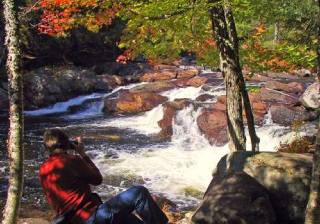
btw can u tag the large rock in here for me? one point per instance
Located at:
(285, 115)
(131, 103)
(311, 97)
(275, 96)
(291, 87)
(47, 85)
(259, 108)
(213, 124)
(169, 112)
(235, 198)
(159, 75)
(187, 73)
(196, 81)
(154, 87)
(286, 176)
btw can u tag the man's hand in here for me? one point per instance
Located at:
(80, 147)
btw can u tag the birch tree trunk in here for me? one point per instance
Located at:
(15, 143)
(225, 33)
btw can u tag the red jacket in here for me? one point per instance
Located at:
(65, 180)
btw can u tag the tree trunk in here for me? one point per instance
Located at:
(230, 67)
(226, 36)
(245, 97)
(15, 143)
(313, 207)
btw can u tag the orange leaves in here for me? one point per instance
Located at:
(60, 16)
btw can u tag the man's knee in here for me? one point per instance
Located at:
(140, 189)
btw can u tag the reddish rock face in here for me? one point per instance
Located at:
(291, 87)
(159, 75)
(213, 124)
(196, 81)
(274, 96)
(130, 103)
(259, 108)
(154, 87)
(187, 73)
(169, 112)
(285, 114)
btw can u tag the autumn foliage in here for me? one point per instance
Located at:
(60, 16)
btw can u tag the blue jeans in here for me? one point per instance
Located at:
(118, 210)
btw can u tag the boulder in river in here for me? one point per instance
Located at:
(213, 124)
(196, 81)
(286, 176)
(275, 96)
(169, 112)
(157, 87)
(311, 97)
(48, 85)
(235, 198)
(291, 87)
(285, 114)
(159, 75)
(132, 103)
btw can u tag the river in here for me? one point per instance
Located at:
(126, 150)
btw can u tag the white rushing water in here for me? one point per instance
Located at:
(63, 107)
(186, 162)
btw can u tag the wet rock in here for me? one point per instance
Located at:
(285, 115)
(235, 198)
(213, 124)
(259, 108)
(154, 87)
(187, 73)
(47, 85)
(159, 75)
(275, 96)
(205, 97)
(286, 176)
(111, 81)
(169, 112)
(311, 97)
(291, 87)
(131, 103)
(196, 81)
(169, 208)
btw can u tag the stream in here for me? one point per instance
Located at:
(125, 148)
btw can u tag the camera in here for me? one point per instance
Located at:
(73, 144)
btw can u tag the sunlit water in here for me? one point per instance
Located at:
(168, 168)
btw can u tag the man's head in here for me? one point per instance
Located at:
(56, 139)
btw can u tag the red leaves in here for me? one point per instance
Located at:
(60, 16)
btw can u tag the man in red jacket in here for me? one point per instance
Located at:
(66, 181)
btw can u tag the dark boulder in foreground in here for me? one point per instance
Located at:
(238, 199)
(286, 176)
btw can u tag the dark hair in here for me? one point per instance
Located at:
(55, 139)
